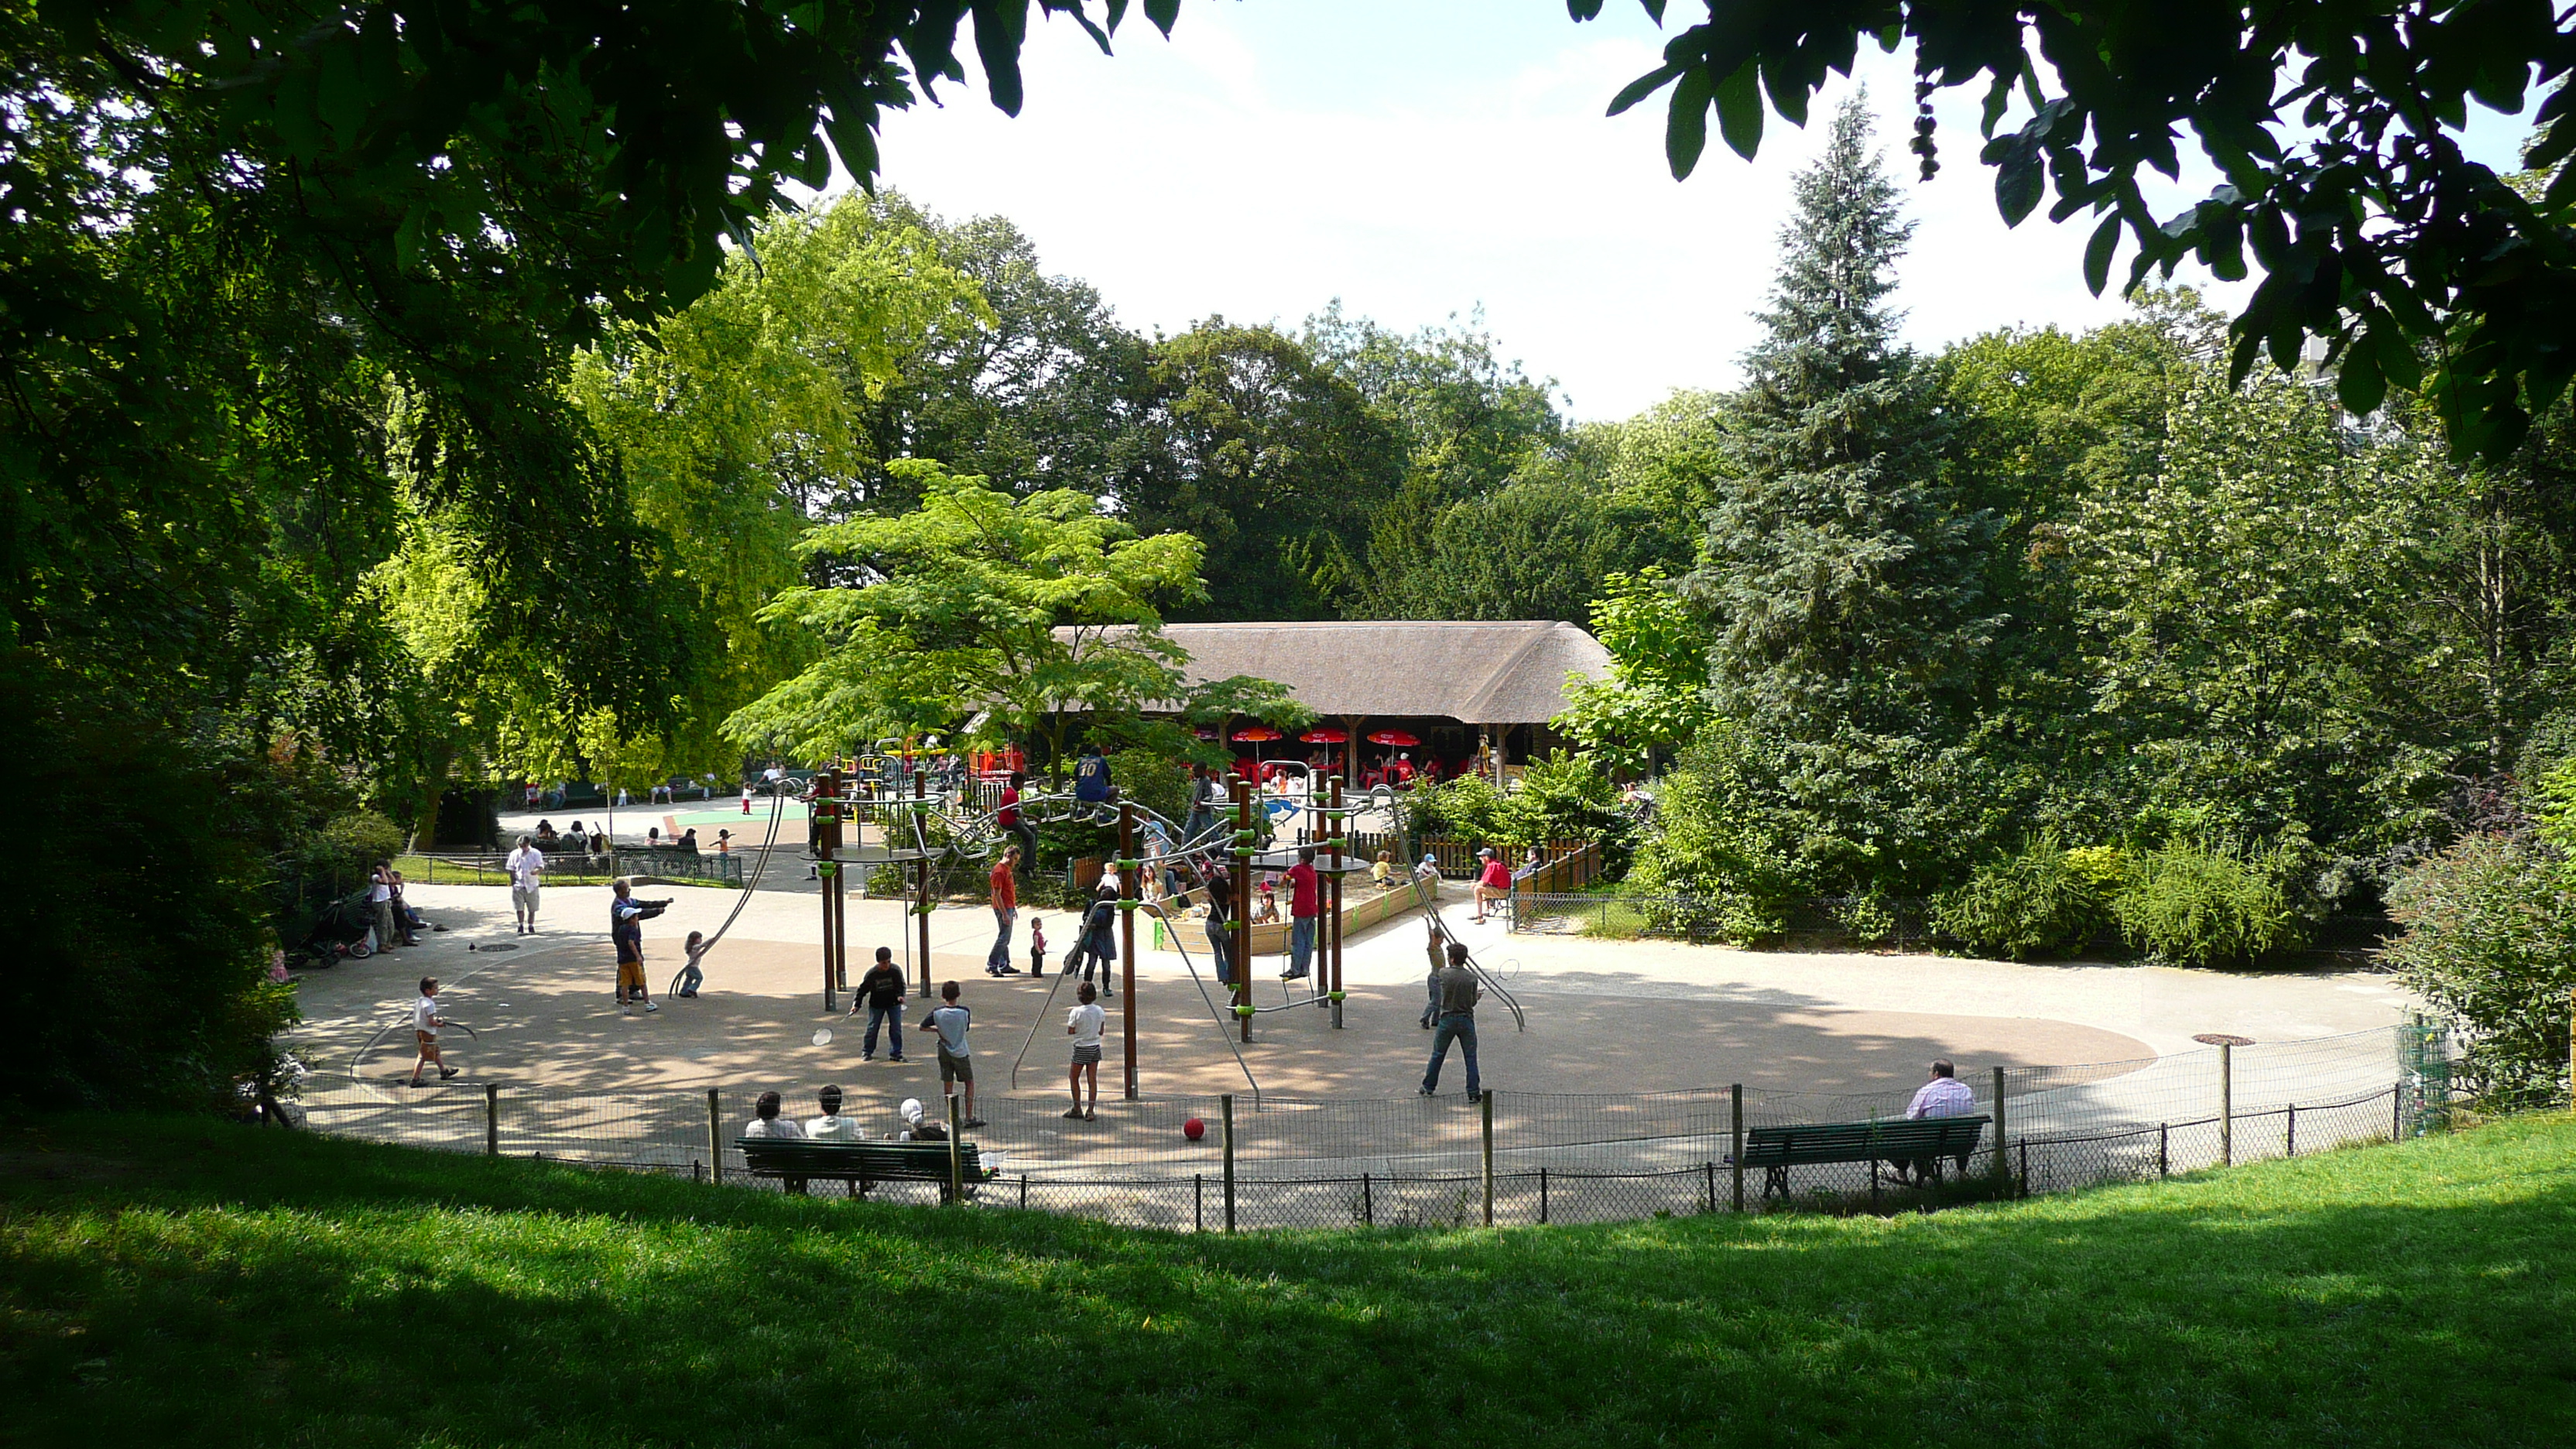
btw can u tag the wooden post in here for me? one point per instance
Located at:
(2003, 1167)
(1485, 1107)
(1736, 1092)
(1242, 919)
(921, 908)
(715, 1136)
(956, 1158)
(1228, 1101)
(1341, 828)
(491, 1119)
(1131, 885)
(2226, 1105)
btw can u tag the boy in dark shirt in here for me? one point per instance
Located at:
(881, 991)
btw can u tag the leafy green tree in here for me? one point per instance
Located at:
(2490, 941)
(2251, 620)
(1842, 574)
(2338, 132)
(1273, 460)
(1045, 390)
(994, 618)
(1536, 548)
(738, 419)
(1656, 696)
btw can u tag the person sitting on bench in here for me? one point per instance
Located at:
(1943, 1096)
(831, 1126)
(766, 1122)
(914, 1129)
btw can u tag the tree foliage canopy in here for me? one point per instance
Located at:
(2336, 127)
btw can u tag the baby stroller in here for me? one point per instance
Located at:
(342, 929)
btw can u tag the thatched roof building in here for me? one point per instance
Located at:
(1475, 672)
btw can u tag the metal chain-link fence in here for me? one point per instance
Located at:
(1518, 1157)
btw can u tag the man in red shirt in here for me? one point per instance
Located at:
(1303, 906)
(1006, 909)
(1493, 884)
(1008, 817)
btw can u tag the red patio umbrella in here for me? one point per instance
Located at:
(1257, 736)
(1397, 738)
(1326, 736)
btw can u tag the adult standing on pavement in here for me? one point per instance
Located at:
(1006, 909)
(380, 902)
(1458, 997)
(1304, 904)
(626, 928)
(882, 991)
(1009, 818)
(526, 864)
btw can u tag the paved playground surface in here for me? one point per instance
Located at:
(1602, 1016)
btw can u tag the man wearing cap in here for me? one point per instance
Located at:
(1493, 881)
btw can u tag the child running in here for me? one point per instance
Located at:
(1083, 1024)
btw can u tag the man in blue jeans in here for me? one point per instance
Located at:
(1458, 997)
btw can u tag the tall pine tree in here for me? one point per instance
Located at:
(1842, 572)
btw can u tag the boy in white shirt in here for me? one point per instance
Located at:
(1083, 1024)
(425, 1022)
(831, 1126)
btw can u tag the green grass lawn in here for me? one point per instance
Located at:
(185, 1282)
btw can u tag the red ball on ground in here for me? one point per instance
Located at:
(1194, 1129)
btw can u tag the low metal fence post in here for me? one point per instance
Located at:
(1368, 1202)
(1485, 1105)
(491, 1119)
(956, 1162)
(2003, 1163)
(1198, 1202)
(715, 1135)
(2164, 1145)
(1736, 1159)
(1228, 1101)
(2290, 1138)
(1542, 1195)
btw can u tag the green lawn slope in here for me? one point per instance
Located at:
(182, 1282)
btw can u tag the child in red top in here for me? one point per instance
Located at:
(1037, 946)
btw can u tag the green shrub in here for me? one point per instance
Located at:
(2041, 902)
(2490, 941)
(2196, 904)
(365, 837)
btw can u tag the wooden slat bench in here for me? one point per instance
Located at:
(860, 1164)
(1777, 1149)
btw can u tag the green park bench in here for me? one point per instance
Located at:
(1931, 1139)
(797, 1161)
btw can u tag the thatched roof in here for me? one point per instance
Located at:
(1509, 672)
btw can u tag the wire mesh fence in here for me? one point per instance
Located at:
(1218, 1163)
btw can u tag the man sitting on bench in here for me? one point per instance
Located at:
(1943, 1096)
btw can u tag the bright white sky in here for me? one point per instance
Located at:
(1419, 158)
